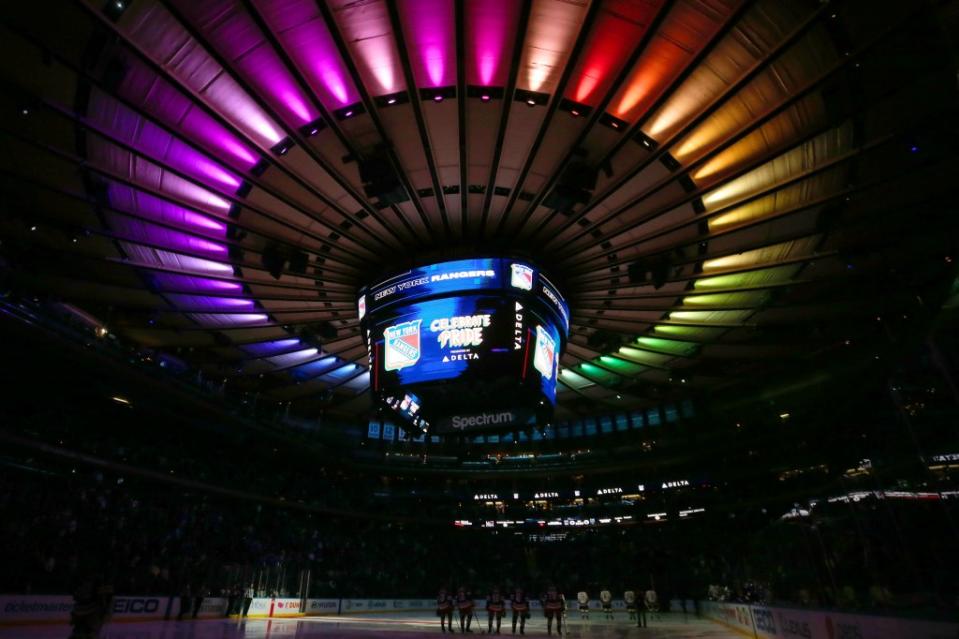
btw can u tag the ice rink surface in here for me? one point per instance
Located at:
(400, 625)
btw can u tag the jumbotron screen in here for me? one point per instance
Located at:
(475, 342)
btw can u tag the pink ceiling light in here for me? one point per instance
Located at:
(301, 30)
(491, 26)
(429, 27)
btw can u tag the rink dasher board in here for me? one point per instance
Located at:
(774, 622)
(44, 609)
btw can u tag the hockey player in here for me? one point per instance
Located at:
(630, 598)
(583, 598)
(93, 603)
(495, 606)
(519, 604)
(465, 604)
(606, 599)
(444, 610)
(553, 606)
(652, 603)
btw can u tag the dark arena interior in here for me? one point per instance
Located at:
(595, 318)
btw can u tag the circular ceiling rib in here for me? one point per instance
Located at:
(708, 182)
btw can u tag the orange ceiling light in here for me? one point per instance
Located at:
(687, 28)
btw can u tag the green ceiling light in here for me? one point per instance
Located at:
(644, 357)
(672, 346)
(621, 366)
(574, 380)
(598, 373)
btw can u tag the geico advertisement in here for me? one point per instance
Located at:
(140, 606)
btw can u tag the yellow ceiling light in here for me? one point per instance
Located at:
(751, 278)
(807, 156)
(739, 300)
(765, 255)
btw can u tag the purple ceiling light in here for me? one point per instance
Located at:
(148, 138)
(229, 28)
(137, 231)
(169, 44)
(171, 281)
(430, 31)
(150, 257)
(228, 319)
(300, 28)
(121, 162)
(175, 110)
(201, 302)
(125, 198)
(262, 349)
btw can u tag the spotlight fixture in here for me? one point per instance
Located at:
(575, 109)
(485, 93)
(312, 128)
(349, 111)
(113, 9)
(613, 122)
(392, 99)
(437, 94)
(531, 98)
(283, 146)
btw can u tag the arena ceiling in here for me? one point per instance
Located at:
(721, 188)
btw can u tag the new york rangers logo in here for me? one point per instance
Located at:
(521, 277)
(402, 345)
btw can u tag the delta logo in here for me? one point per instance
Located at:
(402, 345)
(521, 277)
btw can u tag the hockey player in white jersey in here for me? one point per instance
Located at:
(606, 599)
(583, 598)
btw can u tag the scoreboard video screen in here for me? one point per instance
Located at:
(471, 339)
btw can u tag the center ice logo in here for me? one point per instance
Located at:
(402, 345)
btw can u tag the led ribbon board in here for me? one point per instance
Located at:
(477, 340)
